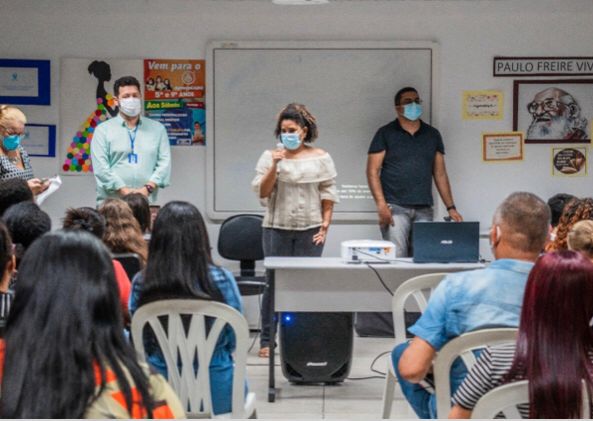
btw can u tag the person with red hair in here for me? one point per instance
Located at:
(554, 348)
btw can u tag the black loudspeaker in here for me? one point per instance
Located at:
(316, 347)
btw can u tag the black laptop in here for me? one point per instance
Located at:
(446, 242)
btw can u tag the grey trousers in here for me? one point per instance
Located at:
(403, 218)
(278, 242)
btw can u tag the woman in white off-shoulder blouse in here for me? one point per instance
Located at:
(297, 184)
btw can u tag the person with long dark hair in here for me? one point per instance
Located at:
(65, 352)
(7, 267)
(180, 266)
(89, 219)
(554, 348)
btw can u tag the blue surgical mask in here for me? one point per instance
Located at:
(291, 141)
(412, 111)
(11, 142)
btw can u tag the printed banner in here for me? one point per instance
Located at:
(174, 95)
(543, 66)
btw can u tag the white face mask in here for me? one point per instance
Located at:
(130, 106)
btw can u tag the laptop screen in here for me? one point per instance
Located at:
(446, 242)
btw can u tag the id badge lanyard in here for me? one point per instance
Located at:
(132, 156)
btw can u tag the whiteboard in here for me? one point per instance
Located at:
(348, 86)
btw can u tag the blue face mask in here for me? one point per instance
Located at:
(11, 142)
(412, 111)
(291, 141)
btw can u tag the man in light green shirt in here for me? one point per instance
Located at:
(130, 154)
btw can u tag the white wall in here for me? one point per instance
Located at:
(470, 34)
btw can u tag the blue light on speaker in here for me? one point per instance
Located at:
(287, 318)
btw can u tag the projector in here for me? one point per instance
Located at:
(372, 251)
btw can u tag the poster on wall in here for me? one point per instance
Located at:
(86, 100)
(40, 140)
(569, 162)
(174, 95)
(25, 82)
(482, 105)
(502, 147)
(553, 111)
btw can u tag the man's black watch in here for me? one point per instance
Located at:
(451, 207)
(149, 188)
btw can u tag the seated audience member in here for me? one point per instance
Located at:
(580, 238)
(141, 210)
(180, 266)
(122, 231)
(554, 348)
(467, 301)
(89, 219)
(65, 352)
(13, 191)
(557, 204)
(575, 210)
(7, 267)
(26, 223)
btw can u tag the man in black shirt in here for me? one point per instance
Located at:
(404, 156)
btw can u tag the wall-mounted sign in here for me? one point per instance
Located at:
(543, 66)
(569, 162)
(482, 105)
(501, 147)
(24, 82)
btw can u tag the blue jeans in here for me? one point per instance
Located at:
(403, 218)
(278, 242)
(422, 401)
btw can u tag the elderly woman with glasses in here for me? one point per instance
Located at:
(14, 160)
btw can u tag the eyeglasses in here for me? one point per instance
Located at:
(546, 105)
(409, 101)
(9, 132)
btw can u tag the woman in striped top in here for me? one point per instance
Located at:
(297, 184)
(554, 346)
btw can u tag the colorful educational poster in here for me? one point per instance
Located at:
(502, 147)
(174, 95)
(86, 100)
(569, 162)
(482, 105)
(185, 120)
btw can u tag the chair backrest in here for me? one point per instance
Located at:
(413, 288)
(505, 399)
(193, 388)
(131, 262)
(463, 346)
(240, 238)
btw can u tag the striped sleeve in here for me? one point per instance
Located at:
(485, 375)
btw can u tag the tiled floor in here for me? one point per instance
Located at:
(352, 399)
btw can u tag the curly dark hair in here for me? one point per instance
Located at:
(301, 116)
(576, 210)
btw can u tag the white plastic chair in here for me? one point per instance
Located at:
(505, 399)
(412, 288)
(463, 346)
(194, 390)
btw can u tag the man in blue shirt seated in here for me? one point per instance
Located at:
(467, 301)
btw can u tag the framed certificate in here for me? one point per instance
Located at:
(25, 82)
(40, 140)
